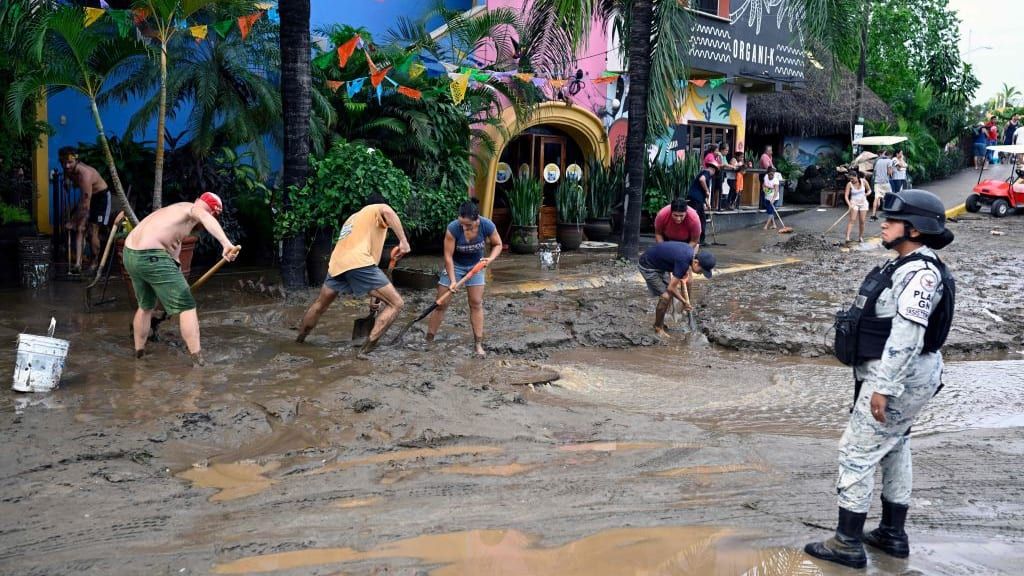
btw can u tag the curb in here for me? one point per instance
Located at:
(956, 211)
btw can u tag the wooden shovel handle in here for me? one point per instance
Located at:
(202, 280)
(472, 272)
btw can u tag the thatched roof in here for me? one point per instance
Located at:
(819, 108)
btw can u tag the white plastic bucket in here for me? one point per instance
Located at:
(40, 361)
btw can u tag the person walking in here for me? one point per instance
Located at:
(665, 266)
(151, 257)
(980, 142)
(770, 190)
(94, 211)
(463, 249)
(353, 268)
(882, 171)
(699, 195)
(898, 326)
(856, 195)
(898, 181)
(678, 222)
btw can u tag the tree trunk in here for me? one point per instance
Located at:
(296, 104)
(118, 188)
(862, 65)
(636, 140)
(161, 124)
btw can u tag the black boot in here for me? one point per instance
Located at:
(845, 547)
(890, 537)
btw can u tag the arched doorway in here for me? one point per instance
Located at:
(580, 130)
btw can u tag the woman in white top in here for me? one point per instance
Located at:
(898, 178)
(857, 190)
(772, 181)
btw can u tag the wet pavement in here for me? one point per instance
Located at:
(581, 445)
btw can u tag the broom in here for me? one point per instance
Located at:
(783, 229)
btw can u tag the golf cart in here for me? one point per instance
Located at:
(1001, 195)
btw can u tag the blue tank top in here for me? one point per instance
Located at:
(468, 253)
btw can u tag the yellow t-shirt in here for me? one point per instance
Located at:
(360, 242)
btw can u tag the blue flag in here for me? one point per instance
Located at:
(354, 86)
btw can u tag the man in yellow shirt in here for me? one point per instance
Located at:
(353, 268)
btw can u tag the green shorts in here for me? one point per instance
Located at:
(155, 275)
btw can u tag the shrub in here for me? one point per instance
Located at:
(570, 201)
(524, 199)
(13, 215)
(337, 185)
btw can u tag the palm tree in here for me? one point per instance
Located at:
(296, 80)
(1007, 96)
(656, 34)
(81, 59)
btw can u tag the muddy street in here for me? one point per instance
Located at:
(710, 453)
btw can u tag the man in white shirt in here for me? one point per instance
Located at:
(883, 171)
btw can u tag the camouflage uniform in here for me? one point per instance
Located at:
(906, 376)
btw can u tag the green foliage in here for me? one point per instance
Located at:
(337, 186)
(790, 171)
(13, 215)
(604, 186)
(570, 201)
(524, 200)
(666, 182)
(134, 161)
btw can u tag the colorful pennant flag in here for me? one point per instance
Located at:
(123, 20)
(410, 92)
(324, 61)
(104, 5)
(354, 86)
(699, 83)
(92, 15)
(379, 88)
(334, 85)
(416, 70)
(345, 50)
(716, 82)
(140, 15)
(481, 76)
(539, 82)
(377, 77)
(458, 87)
(606, 79)
(525, 76)
(245, 23)
(198, 32)
(265, 5)
(557, 83)
(223, 27)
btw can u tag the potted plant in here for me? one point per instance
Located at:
(524, 200)
(572, 211)
(601, 187)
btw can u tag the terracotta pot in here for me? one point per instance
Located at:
(188, 247)
(570, 236)
(524, 239)
(598, 229)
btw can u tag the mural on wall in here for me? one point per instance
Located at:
(807, 151)
(721, 105)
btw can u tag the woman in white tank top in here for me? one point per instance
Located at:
(857, 190)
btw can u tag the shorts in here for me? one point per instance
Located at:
(882, 188)
(657, 280)
(859, 205)
(100, 207)
(357, 281)
(156, 276)
(979, 149)
(460, 271)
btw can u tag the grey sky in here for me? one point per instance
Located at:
(999, 24)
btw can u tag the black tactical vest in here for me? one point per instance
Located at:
(861, 336)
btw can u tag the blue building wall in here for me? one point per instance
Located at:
(71, 117)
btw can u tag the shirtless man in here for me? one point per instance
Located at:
(94, 210)
(151, 258)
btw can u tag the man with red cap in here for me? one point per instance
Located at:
(151, 258)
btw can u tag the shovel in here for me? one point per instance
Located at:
(362, 327)
(441, 300)
(103, 263)
(155, 322)
(691, 318)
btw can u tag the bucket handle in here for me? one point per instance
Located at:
(53, 325)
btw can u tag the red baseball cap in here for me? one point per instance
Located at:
(213, 201)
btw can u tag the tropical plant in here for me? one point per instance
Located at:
(337, 186)
(1007, 96)
(602, 185)
(23, 25)
(524, 200)
(13, 215)
(790, 171)
(81, 59)
(666, 182)
(570, 200)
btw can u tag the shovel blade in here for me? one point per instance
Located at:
(362, 327)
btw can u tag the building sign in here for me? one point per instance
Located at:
(763, 40)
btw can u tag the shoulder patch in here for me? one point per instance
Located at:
(915, 300)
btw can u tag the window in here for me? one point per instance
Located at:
(706, 6)
(703, 135)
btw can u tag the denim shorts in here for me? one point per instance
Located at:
(460, 271)
(358, 281)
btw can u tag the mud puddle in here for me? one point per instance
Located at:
(739, 392)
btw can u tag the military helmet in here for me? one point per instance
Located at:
(922, 209)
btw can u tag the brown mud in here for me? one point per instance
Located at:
(581, 445)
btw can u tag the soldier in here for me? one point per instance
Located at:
(892, 336)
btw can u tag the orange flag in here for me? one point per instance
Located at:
(606, 79)
(557, 83)
(410, 92)
(345, 51)
(699, 83)
(525, 76)
(245, 22)
(377, 77)
(140, 15)
(334, 85)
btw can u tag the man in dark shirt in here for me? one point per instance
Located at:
(699, 197)
(665, 266)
